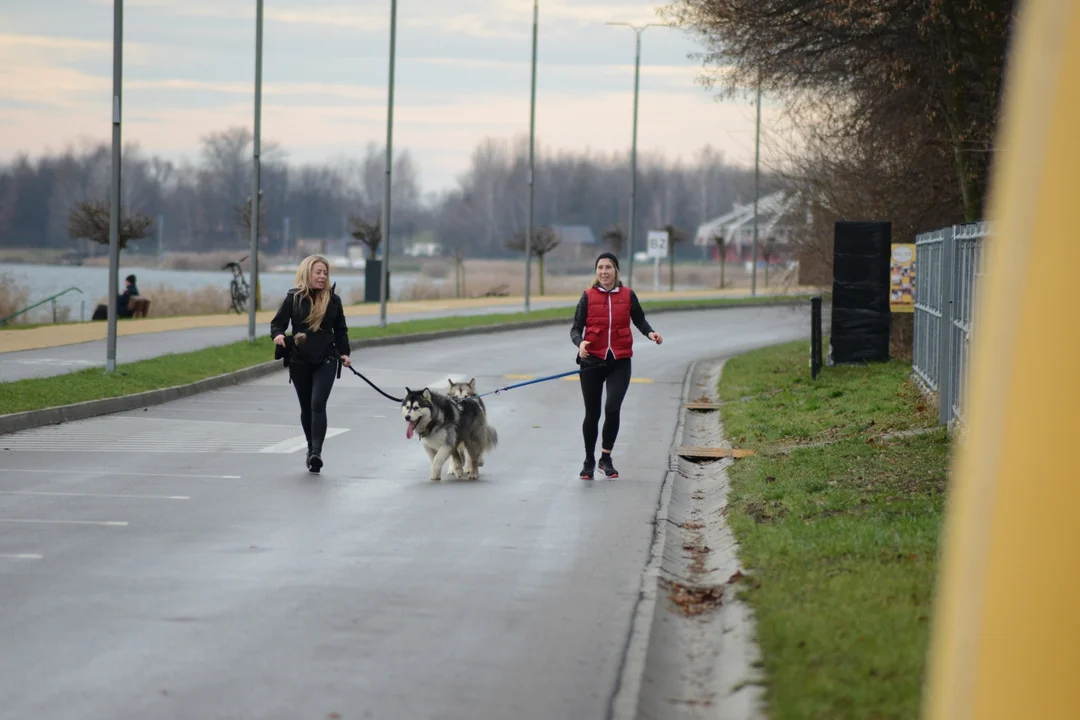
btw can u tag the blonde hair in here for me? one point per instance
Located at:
(320, 299)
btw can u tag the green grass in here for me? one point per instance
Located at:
(184, 368)
(841, 539)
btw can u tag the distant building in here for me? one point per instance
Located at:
(776, 226)
(578, 242)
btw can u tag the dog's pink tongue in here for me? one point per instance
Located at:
(409, 431)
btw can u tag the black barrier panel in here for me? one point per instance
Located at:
(861, 316)
(372, 281)
(815, 336)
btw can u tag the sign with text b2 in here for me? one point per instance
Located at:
(658, 243)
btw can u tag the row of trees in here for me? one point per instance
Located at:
(199, 200)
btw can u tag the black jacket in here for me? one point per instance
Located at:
(329, 340)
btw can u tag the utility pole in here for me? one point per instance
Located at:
(385, 224)
(532, 160)
(757, 187)
(638, 29)
(256, 195)
(114, 204)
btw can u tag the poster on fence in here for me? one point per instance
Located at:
(902, 278)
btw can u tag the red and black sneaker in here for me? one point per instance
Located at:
(587, 470)
(606, 466)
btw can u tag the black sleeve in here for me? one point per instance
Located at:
(341, 330)
(637, 315)
(580, 314)
(280, 323)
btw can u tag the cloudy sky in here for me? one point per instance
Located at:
(462, 75)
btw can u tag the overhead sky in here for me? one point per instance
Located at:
(462, 75)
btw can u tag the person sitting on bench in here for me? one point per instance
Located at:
(129, 303)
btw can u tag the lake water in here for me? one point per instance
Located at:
(46, 280)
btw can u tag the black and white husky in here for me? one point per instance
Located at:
(450, 428)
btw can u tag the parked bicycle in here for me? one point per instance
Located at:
(239, 292)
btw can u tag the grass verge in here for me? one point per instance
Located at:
(841, 538)
(184, 368)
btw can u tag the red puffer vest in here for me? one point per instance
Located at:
(608, 322)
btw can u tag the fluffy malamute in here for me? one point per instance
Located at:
(449, 428)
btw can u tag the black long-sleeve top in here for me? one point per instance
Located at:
(330, 339)
(637, 316)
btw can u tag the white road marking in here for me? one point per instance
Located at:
(108, 523)
(110, 473)
(96, 495)
(299, 442)
(20, 556)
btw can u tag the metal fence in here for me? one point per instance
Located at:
(948, 271)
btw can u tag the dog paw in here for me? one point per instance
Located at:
(474, 475)
(436, 478)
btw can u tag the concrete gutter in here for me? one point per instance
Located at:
(15, 422)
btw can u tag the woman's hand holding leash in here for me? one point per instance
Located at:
(280, 340)
(656, 338)
(582, 350)
(345, 361)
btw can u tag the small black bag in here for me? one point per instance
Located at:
(286, 353)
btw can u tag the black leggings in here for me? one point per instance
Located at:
(313, 384)
(616, 375)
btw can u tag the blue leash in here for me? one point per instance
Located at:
(530, 382)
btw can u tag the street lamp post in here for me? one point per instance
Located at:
(387, 187)
(638, 29)
(532, 159)
(757, 174)
(256, 196)
(114, 203)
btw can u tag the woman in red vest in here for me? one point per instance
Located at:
(605, 343)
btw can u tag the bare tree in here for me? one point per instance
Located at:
(243, 229)
(458, 253)
(89, 220)
(544, 240)
(768, 250)
(721, 248)
(369, 234)
(675, 236)
(243, 218)
(615, 236)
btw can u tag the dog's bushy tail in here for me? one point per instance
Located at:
(491, 437)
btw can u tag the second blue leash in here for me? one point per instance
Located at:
(530, 382)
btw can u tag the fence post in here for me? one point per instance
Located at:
(946, 391)
(815, 336)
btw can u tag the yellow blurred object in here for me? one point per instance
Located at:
(1006, 628)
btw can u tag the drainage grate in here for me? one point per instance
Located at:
(691, 452)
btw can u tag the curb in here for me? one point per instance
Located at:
(627, 698)
(15, 422)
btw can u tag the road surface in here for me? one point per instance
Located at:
(179, 562)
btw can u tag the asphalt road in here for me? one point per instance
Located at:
(179, 562)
